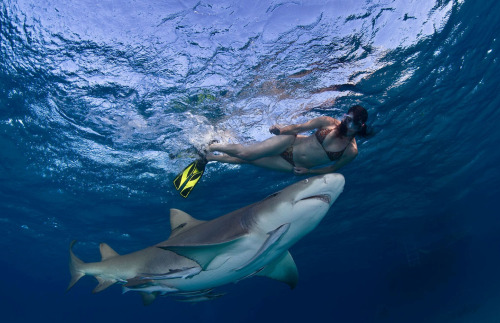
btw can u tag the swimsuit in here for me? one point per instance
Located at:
(288, 154)
(320, 136)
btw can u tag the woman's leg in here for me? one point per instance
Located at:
(273, 162)
(225, 159)
(270, 147)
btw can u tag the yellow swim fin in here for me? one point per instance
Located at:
(190, 176)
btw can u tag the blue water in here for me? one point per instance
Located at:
(102, 102)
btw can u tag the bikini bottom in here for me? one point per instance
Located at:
(288, 155)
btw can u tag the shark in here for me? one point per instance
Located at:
(201, 255)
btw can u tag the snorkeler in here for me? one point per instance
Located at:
(333, 141)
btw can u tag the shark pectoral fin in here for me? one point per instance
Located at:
(106, 251)
(273, 238)
(283, 269)
(103, 284)
(202, 254)
(181, 221)
(147, 298)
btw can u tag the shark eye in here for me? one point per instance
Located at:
(306, 181)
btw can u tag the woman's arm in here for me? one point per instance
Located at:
(294, 129)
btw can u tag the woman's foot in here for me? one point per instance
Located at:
(210, 157)
(223, 158)
(212, 145)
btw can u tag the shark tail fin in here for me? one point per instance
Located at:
(75, 265)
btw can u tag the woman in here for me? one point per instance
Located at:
(333, 141)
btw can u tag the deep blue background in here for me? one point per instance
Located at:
(100, 105)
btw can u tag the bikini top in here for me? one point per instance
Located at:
(321, 135)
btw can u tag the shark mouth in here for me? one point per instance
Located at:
(322, 197)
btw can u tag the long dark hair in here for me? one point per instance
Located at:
(360, 116)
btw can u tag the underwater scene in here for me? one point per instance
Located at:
(103, 103)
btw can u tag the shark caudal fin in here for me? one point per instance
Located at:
(75, 265)
(77, 270)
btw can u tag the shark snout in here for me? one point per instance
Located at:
(336, 179)
(324, 187)
(332, 185)
(328, 181)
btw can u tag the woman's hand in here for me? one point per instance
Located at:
(275, 130)
(300, 171)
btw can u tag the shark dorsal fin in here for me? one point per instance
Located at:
(107, 252)
(181, 221)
